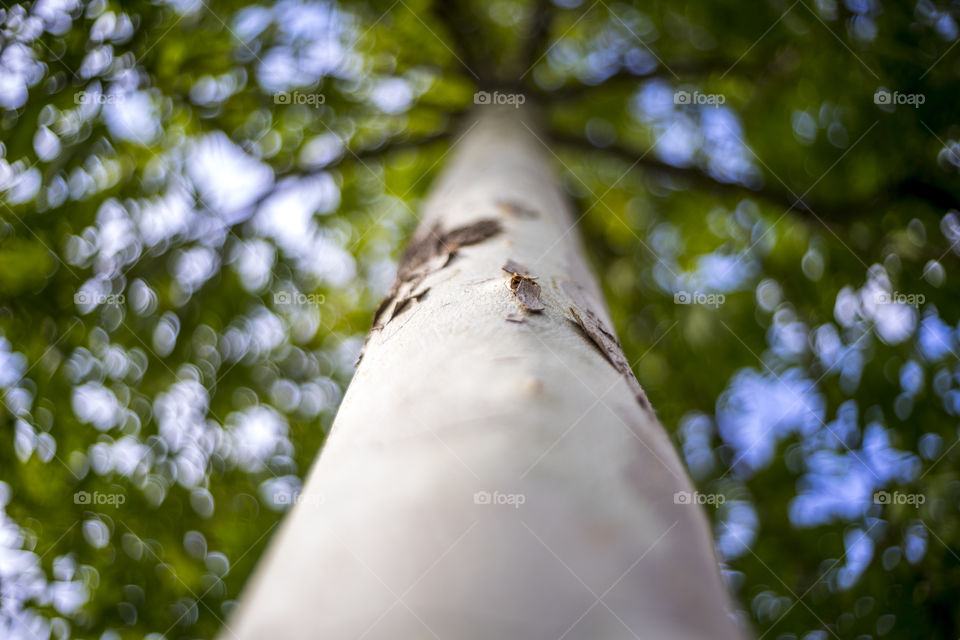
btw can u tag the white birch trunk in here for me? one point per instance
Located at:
(487, 478)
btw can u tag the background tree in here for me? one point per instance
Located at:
(157, 195)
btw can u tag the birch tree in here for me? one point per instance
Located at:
(495, 469)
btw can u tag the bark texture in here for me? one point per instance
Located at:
(495, 470)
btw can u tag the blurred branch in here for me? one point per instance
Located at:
(693, 175)
(463, 39)
(397, 144)
(538, 34)
(353, 156)
(627, 79)
(919, 189)
(909, 187)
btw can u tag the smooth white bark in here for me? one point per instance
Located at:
(452, 403)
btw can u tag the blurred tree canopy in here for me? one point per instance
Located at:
(202, 203)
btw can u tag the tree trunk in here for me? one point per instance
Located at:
(494, 470)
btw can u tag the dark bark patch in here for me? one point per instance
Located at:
(471, 233)
(524, 286)
(381, 309)
(421, 254)
(516, 268)
(401, 294)
(428, 252)
(586, 336)
(405, 301)
(527, 292)
(432, 250)
(601, 337)
(517, 209)
(610, 347)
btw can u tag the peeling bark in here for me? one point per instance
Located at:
(524, 287)
(488, 479)
(426, 254)
(610, 347)
(527, 293)
(513, 267)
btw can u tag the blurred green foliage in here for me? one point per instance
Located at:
(168, 169)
